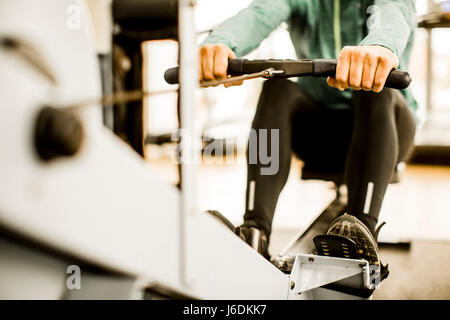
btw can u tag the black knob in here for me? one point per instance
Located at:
(58, 133)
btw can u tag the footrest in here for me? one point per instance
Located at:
(335, 246)
(322, 277)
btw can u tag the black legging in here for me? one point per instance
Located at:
(365, 141)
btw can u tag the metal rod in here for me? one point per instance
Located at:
(136, 95)
(263, 74)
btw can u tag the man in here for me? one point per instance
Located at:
(348, 123)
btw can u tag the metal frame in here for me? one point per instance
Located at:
(189, 143)
(311, 272)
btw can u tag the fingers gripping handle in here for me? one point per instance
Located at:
(235, 67)
(397, 79)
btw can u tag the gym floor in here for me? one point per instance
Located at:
(416, 211)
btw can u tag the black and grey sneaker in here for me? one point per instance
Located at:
(255, 238)
(348, 237)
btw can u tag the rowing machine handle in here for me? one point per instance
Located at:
(397, 79)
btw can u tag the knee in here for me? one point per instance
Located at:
(278, 90)
(276, 99)
(370, 99)
(276, 84)
(405, 118)
(372, 106)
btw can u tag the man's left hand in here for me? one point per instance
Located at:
(363, 67)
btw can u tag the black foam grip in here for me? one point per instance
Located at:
(397, 79)
(236, 67)
(171, 75)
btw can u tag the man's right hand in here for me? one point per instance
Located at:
(213, 63)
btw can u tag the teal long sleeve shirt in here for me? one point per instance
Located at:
(319, 29)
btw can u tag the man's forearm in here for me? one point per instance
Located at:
(245, 31)
(391, 24)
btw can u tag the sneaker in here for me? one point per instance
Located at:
(350, 227)
(348, 237)
(255, 238)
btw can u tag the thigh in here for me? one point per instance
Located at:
(277, 100)
(385, 111)
(321, 136)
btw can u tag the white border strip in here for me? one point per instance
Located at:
(251, 196)
(369, 194)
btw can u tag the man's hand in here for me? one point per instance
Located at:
(363, 67)
(213, 63)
